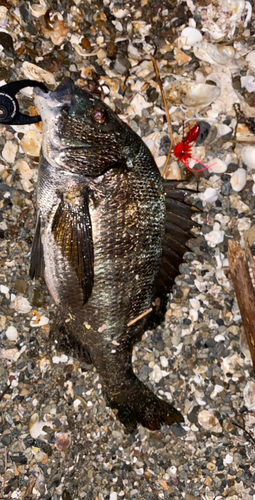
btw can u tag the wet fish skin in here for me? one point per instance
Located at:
(98, 240)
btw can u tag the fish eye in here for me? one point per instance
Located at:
(98, 115)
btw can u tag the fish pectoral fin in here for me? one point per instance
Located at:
(36, 269)
(72, 231)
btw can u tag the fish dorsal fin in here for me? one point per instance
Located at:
(72, 231)
(177, 233)
(36, 260)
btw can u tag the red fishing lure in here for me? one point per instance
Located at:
(182, 150)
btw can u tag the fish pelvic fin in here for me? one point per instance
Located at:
(72, 231)
(36, 269)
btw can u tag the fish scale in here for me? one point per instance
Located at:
(102, 242)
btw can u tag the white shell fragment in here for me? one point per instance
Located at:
(60, 359)
(153, 142)
(31, 143)
(3, 15)
(228, 460)
(249, 395)
(27, 185)
(248, 82)
(36, 426)
(4, 289)
(35, 323)
(209, 196)
(207, 419)
(138, 103)
(248, 156)
(11, 333)
(223, 129)
(214, 237)
(250, 58)
(21, 305)
(213, 54)
(160, 161)
(44, 365)
(24, 169)
(217, 166)
(163, 361)
(11, 354)
(38, 10)
(34, 72)
(192, 35)
(195, 304)
(192, 94)
(238, 179)
(62, 440)
(9, 151)
(157, 374)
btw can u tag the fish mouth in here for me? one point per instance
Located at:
(62, 95)
(51, 104)
(65, 90)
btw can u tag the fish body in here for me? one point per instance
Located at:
(99, 240)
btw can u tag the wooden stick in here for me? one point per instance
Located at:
(244, 292)
(139, 317)
(29, 490)
(167, 114)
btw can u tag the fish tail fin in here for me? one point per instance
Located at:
(177, 233)
(137, 404)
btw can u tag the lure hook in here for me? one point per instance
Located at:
(9, 106)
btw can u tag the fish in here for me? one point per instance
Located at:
(109, 238)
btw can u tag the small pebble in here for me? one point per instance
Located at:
(11, 333)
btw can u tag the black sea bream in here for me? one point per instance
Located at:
(109, 235)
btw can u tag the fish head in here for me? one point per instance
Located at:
(81, 134)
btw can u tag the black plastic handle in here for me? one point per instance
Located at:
(9, 106)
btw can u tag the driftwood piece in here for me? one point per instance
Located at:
(244, 292)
